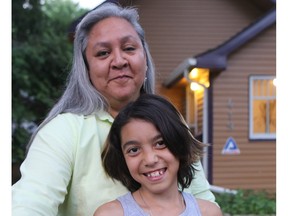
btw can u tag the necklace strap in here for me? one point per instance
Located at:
(147, 206)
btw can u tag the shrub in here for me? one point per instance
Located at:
(247, 202)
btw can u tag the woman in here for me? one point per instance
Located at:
(62, 173)
(154, 150)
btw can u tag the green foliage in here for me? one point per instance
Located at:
(247, 202)
(41, 59)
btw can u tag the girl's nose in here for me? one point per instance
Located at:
(150, 158)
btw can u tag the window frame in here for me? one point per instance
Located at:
(252, 134)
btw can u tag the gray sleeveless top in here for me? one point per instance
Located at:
(131, 208)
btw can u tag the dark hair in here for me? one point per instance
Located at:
(175, 133)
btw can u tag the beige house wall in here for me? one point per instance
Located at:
(255, 167)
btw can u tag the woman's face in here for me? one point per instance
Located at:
(117, 61)
(148, 159)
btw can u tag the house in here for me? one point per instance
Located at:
(232, 45)
(216, 61)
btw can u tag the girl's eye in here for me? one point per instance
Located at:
(160, 144)
(133, 151)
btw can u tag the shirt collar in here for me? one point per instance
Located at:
(105, 116)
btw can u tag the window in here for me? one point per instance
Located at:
(262, 107)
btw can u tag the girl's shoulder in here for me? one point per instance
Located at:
(208, 208)
(111, 208)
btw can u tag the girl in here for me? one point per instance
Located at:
(151, 150)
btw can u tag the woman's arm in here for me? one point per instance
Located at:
(46, 171)
(200, 187)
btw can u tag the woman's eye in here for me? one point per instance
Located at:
(129, 48)
(102, 53)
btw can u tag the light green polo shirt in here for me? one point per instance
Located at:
(63, 173)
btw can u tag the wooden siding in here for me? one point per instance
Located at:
(176, 30)
(255, 167)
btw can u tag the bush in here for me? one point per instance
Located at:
(247, 202)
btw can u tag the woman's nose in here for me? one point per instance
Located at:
(119, 61)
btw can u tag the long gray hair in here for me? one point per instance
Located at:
(80, 96)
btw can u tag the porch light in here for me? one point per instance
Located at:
(195, 86)
(274, 82)
(198, 78)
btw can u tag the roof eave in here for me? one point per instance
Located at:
(216, 59)
(178, 72)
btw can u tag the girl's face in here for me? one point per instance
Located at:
(117, 61)
(148, 159)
